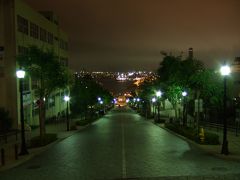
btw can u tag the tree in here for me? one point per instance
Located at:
(85, 93)
(174, 93)
(48, 72)
(176, 74)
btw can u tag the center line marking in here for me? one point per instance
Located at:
(124, 170)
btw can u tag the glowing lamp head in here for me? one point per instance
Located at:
(184, 93)
(66, 98)
(158, 93)
(20, 74)
(225, 70)
(154, 100)
(99, 99)
(101, 102)
(138, 99)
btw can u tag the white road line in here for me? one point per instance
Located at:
(124, 170)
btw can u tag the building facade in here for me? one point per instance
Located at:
(21, 27)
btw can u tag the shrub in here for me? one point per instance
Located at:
(73, 127)
(211, 138)
(48, 138)
(82, 122)
(191, 133)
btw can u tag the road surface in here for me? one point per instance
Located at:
(121, 145)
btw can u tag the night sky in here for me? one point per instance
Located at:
(120, 35)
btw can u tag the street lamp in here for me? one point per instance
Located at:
(225, 71)
(159, 95)
(66, 99)
(153, 102)
(20, 75)
(184, 94)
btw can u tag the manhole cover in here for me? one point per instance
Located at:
(33, 167)
(219, 169)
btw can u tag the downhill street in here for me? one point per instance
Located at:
(121, 145)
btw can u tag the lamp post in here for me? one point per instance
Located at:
(153, 102)
(66, 99)
(159, 95)
(20, 75)
(225, 71)
(184, 94)
(138, 101)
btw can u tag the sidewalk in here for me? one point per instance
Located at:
(215, 150)
(58, 128)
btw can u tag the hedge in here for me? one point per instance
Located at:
(191, 133)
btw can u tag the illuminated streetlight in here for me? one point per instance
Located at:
(154, 100)
(20, 75)
(184, 93)
(184, 114)
(159, 95)
(225, 71)
(67, 99)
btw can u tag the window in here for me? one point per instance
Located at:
(43, 35)
(25, 84)
(64, 61)
(63, 44)
(22, 50)
(22, 24)
(51, 102)
(34, 84)
(34, 30)
(50, 38)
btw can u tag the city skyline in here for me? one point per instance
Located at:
(121, 36)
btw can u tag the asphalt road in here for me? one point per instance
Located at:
(121, 145)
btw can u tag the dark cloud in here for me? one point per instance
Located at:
(129, 34)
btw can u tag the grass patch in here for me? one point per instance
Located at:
(47, 139)
(191, 133)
